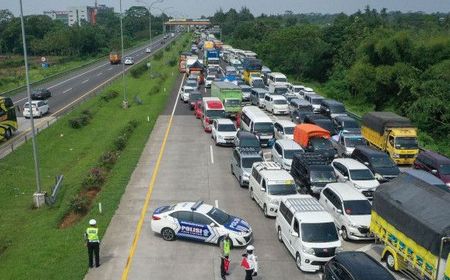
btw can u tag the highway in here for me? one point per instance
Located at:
(70, 89)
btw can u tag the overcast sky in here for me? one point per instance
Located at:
(196, 8)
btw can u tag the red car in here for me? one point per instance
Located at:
(198, 109)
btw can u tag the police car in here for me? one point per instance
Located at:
(201, 222)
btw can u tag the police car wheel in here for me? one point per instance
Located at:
(168, 234)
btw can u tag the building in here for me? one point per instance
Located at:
(77, 15)
(58, 15)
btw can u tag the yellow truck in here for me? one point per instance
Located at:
(412, 219)
(8, 119)
(391, 133)
(252, 67)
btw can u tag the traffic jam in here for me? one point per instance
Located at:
(322, 174)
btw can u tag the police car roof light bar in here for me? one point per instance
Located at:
(196, 205)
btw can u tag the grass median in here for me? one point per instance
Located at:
(32, 243)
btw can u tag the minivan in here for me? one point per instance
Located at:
(230, 71)
(314, 100)
(257, 96)
(307, 231)
(434, 163)
(332, 108)
(257, 122)
(276, 104)
(380, 163)
(355, 265)
(277, 79)
(242, 162)
(283, 152)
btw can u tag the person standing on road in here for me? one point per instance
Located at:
(249, 263)
(93, 243)
(225, 248)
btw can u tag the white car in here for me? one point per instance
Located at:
(38, 108)
(283, 152)
(128, 61)
(201, 222)
(223, 132)
(356, 174)
(184, 93)
(209, 79)
(268, 184)
(350, 210)
(277, 105)
(295, 90)
(148, 50)
(284, 129)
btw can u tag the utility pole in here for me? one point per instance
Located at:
(38, 196)
(125, 100)
(149, 8)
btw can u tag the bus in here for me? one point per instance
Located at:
(8, 119)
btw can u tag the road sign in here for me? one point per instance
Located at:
(43, 59)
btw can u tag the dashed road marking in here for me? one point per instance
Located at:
(85, 81)
(216, 203)
(99, 74)
(67, 90)
(212, 154)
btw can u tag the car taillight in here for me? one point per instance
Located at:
(207, 120)
(156, 218)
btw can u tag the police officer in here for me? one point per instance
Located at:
(249, 263)
(93, 243)
(225, 248)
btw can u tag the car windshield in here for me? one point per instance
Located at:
(320, 232)
(281, 189)
(289, 154)
(280, 91)
(322, 176)
(215, 114)
(350, 124)
(254, 75)
(248, 162)
(188, 89)
(326, 124)
(249, 142)
(297, 89)
(261, 94)
(444, 169)
(26, 105)
(316, 101)
(406, 143)
(337, 109)
(191, 83)
(357, 207)
(264, 127)
(380, 162)
(195, 96)
(354, 141)
(321, 144)
(231, 73)
(226, 127)
(218, 215)
(258, 84)
(361, 175)
(232, 102)
(246, 89)
(280, 102)
(289, 130)
(280, 80)
(210, 78)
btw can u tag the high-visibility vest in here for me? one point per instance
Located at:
(226, 247)
(92, 234)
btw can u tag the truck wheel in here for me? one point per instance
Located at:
(168, 234)
(390, 261)
(8, 133)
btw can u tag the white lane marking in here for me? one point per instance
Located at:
(77, 76)
(67, 90)
(176, 102)
(99, 74)
(216, 203)
(212, 154)
(110, 68)
(365, 248)
(85, 81)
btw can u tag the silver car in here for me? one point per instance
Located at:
(242, 162)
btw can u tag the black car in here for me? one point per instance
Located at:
(355, 265)
(323, 146)
(346, 123)
(311, 172)
(380, 163)
(299, 115)
(321, 121)
(245, 139)
(41, 93)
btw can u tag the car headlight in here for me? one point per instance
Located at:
(220, 137)
(395, 155)
(448, 184)
(309, 251)
(353, 225)
(339, 249)
(357, 186)
(246, 175)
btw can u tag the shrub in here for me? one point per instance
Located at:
(109, 95)
(82, 120)
(158, 56)
(121, 142)
(79, 204)
(172, 62)
(108, 159)
(75, 123)
(95, 178)
(168, 48)
(138, 70)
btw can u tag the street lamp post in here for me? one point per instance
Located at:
(149, 8)
(38, 196)
(163, 11)
(125, 100)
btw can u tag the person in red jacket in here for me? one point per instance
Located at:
(249, 263)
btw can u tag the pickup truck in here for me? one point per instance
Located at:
(391, 133)
(345, 143)
(411, 218)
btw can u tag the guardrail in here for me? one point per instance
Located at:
(16, 90)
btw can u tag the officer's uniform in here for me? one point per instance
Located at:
(225, 245)
(93, 245)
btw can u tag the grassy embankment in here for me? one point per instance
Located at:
(32, 243)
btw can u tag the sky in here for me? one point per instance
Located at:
(196, 8)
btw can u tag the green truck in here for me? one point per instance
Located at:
(230, 95)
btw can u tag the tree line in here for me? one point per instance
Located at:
(378, 59)
(52, 37)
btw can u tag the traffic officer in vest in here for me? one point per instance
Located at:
(225, 248)
(93, 243)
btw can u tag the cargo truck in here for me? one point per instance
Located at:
(114, 58)
(211, 57)
(412, 219)
(252, 66)
(391, 133)
(230, 95)
(8, 118)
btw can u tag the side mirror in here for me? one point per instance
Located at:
(366, 163)
(345, 177)
(339, 211)
(434, 171)
(294, 234)
(212, 225)
(263, 189)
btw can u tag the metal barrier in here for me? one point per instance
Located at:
(50, 200)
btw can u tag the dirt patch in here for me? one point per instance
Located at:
(91, 194)
(69, 220)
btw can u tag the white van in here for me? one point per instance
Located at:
(277, 78)
(307, 231)
(257, 122)
(268, 184)
(276, 104)
(278, 89)
(237, 65)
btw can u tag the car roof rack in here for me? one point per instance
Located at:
(267, 165)
(196, 205)
(304, 204)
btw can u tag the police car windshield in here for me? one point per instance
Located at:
(320, 232)
(281, 189)
(218, 215)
